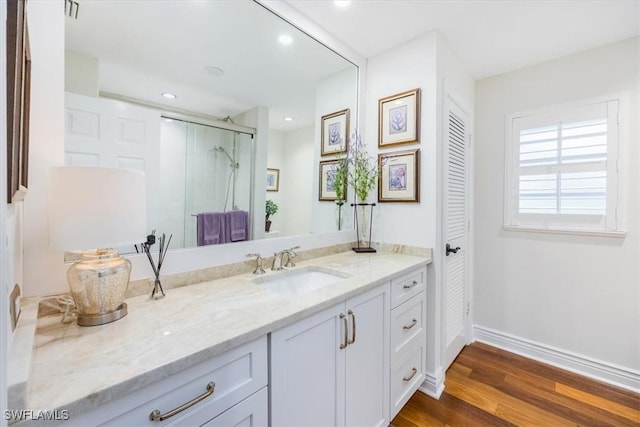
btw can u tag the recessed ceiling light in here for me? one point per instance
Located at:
(214, 71)
(288, 119)
(342, 3)
(285, 39)
(169, 95)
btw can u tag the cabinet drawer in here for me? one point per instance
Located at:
(407, 325)
(407, 286)
(237, 374)
(406, 376)
(251, 412)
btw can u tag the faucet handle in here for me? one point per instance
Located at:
(291, 256)
(259, 269)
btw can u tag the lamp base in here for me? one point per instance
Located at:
(98, 284)
(101, 319)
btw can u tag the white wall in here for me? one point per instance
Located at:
(44, 271)
(425, 62)
(335, 93)
(297, 182)
(409, 66)
(276, 160)
(292, 153)
(578, 294)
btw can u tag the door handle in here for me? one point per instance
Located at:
(353, 323)
(345, 341)
(451, 250)
(156, 415)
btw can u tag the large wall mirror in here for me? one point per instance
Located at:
(249, 93)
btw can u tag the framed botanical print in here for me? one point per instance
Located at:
(273, 179)
(327, 180)
(335, 133)
(399, 119)
(399, 176)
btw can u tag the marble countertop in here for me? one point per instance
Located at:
(79, 368)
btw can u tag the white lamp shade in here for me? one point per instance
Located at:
(96, 207)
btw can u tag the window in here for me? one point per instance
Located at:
(562, 169)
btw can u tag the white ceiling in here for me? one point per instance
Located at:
(489, 36)
(147, 47)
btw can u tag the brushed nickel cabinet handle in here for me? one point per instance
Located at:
(414, 371)
(353, 329)
(156, 415)
(345, 342)
(414, 322)
(414, 283)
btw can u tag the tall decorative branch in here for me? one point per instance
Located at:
(163, 245)
(362, 176)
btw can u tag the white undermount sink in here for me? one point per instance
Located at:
(300, 280)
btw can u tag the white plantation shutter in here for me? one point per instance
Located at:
(563, 171)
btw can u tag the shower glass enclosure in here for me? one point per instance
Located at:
(208, 170)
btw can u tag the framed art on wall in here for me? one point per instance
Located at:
(399, 118)
(327, 180)
(334, 134)
(273, 179)
(399, 176)
(18, 97)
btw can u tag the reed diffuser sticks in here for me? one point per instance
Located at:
(163, 245)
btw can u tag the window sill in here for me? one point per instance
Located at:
(568, 231)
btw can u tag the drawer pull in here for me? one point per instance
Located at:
(414, 322)
(157, 416)
(345, 342)
(414, 283)
(414, 371)
(353, 330)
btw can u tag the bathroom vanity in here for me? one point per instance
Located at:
(349, 352)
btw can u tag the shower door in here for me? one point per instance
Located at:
(217, 173)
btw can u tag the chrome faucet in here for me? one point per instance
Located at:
(277, 258)
(259, 269)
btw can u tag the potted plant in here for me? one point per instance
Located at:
(271, 209)
(362, 176)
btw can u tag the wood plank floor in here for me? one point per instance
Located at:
(486, 386)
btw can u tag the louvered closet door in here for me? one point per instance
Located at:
(455, 233)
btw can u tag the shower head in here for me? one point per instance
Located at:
(222, 150)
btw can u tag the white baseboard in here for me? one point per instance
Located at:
(595, 369)
(433, 384)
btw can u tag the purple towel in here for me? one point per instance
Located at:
(212, 228)
(238, 225)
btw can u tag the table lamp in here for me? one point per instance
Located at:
(97, 207)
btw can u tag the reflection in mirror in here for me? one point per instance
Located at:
(205, 169)
(120, 59)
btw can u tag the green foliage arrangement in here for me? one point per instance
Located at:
(363, 169)
(340, 184)
(271, 208)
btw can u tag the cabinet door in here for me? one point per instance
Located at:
(367, 359)
(251, 412)
(307, 371)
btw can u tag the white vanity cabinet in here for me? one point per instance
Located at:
(332, 368)
(232, 388)
(408, 337)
